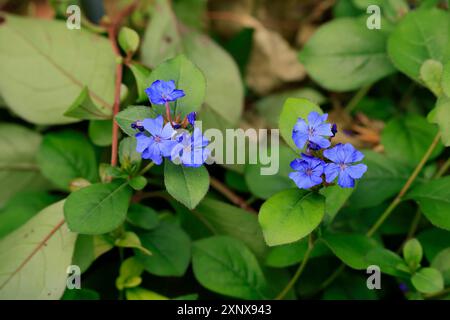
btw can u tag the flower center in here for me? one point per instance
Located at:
(311, 131)
(309, 171)
(187, 148)
(157, 139)
(342, 165)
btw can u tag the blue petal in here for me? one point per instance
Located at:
(142, 142)
(356, 171)
(320, 141)
(296, 164)
(323, 129)
(167, 132)
(301, 126)
(331, 171)
(299, 138)
(345, 181)
(154, 126)
(176, 94)
(314, 119)
(153, 153)
(166, 147)
(331, 154)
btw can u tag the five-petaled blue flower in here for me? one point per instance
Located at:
(191, 150)
(162, 91)
(314, 131)
(344, 156)
(308, 171)
(160, 142)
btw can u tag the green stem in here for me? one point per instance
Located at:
(443, 169)
(414, 225)
(357, 98)
(405, 188)
(146, 168)
(332, 277)
(299, 271)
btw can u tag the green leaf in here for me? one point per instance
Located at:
(264, 186)
(129, 158)
(130, 240)
(18, 168)
(388, 261)
(85, 108)
(384, 175)
(420, 36)
(88, 249)
(21, 207)
(39, 79)
(346, 63)
(143, 294)
(225, 219)
(431, 75)
(240, 274)
(100, 132)
(412, 253)
(293, 109)
(170, 247)
(290, 254)
(186, 184)
(290, 215)
(99, 208)
(434, 201)
(22, 254)
(428, 280)
(187, 77)
(138, 183)
(131, 114)
(350, 248)
(335, 199)
(142, 217)
(442, 118)
(446, 79)
(224, 94)
(80, 294)
(141, 74)
(407, 139)
(270, 107)
(129, 274)
(128, 40)
(433, 241)
(65, 156)
(442, 263)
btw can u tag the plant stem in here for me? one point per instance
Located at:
(230, 195)
(299, 271)
(332, 277)
(113, 28)
(443, 169)
(112, 33)
(405, 188)
(357, 98)
(146, 168)
(414, 225)
(168, 116)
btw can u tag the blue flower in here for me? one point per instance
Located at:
(191, 117)
(162, 91)
(314, 131)
(344, 156)
(308, 171)
(159, 144)
(191, 150)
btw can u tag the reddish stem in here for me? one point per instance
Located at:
(168, 115)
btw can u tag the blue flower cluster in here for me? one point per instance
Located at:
(317, 165)
(161, 138)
